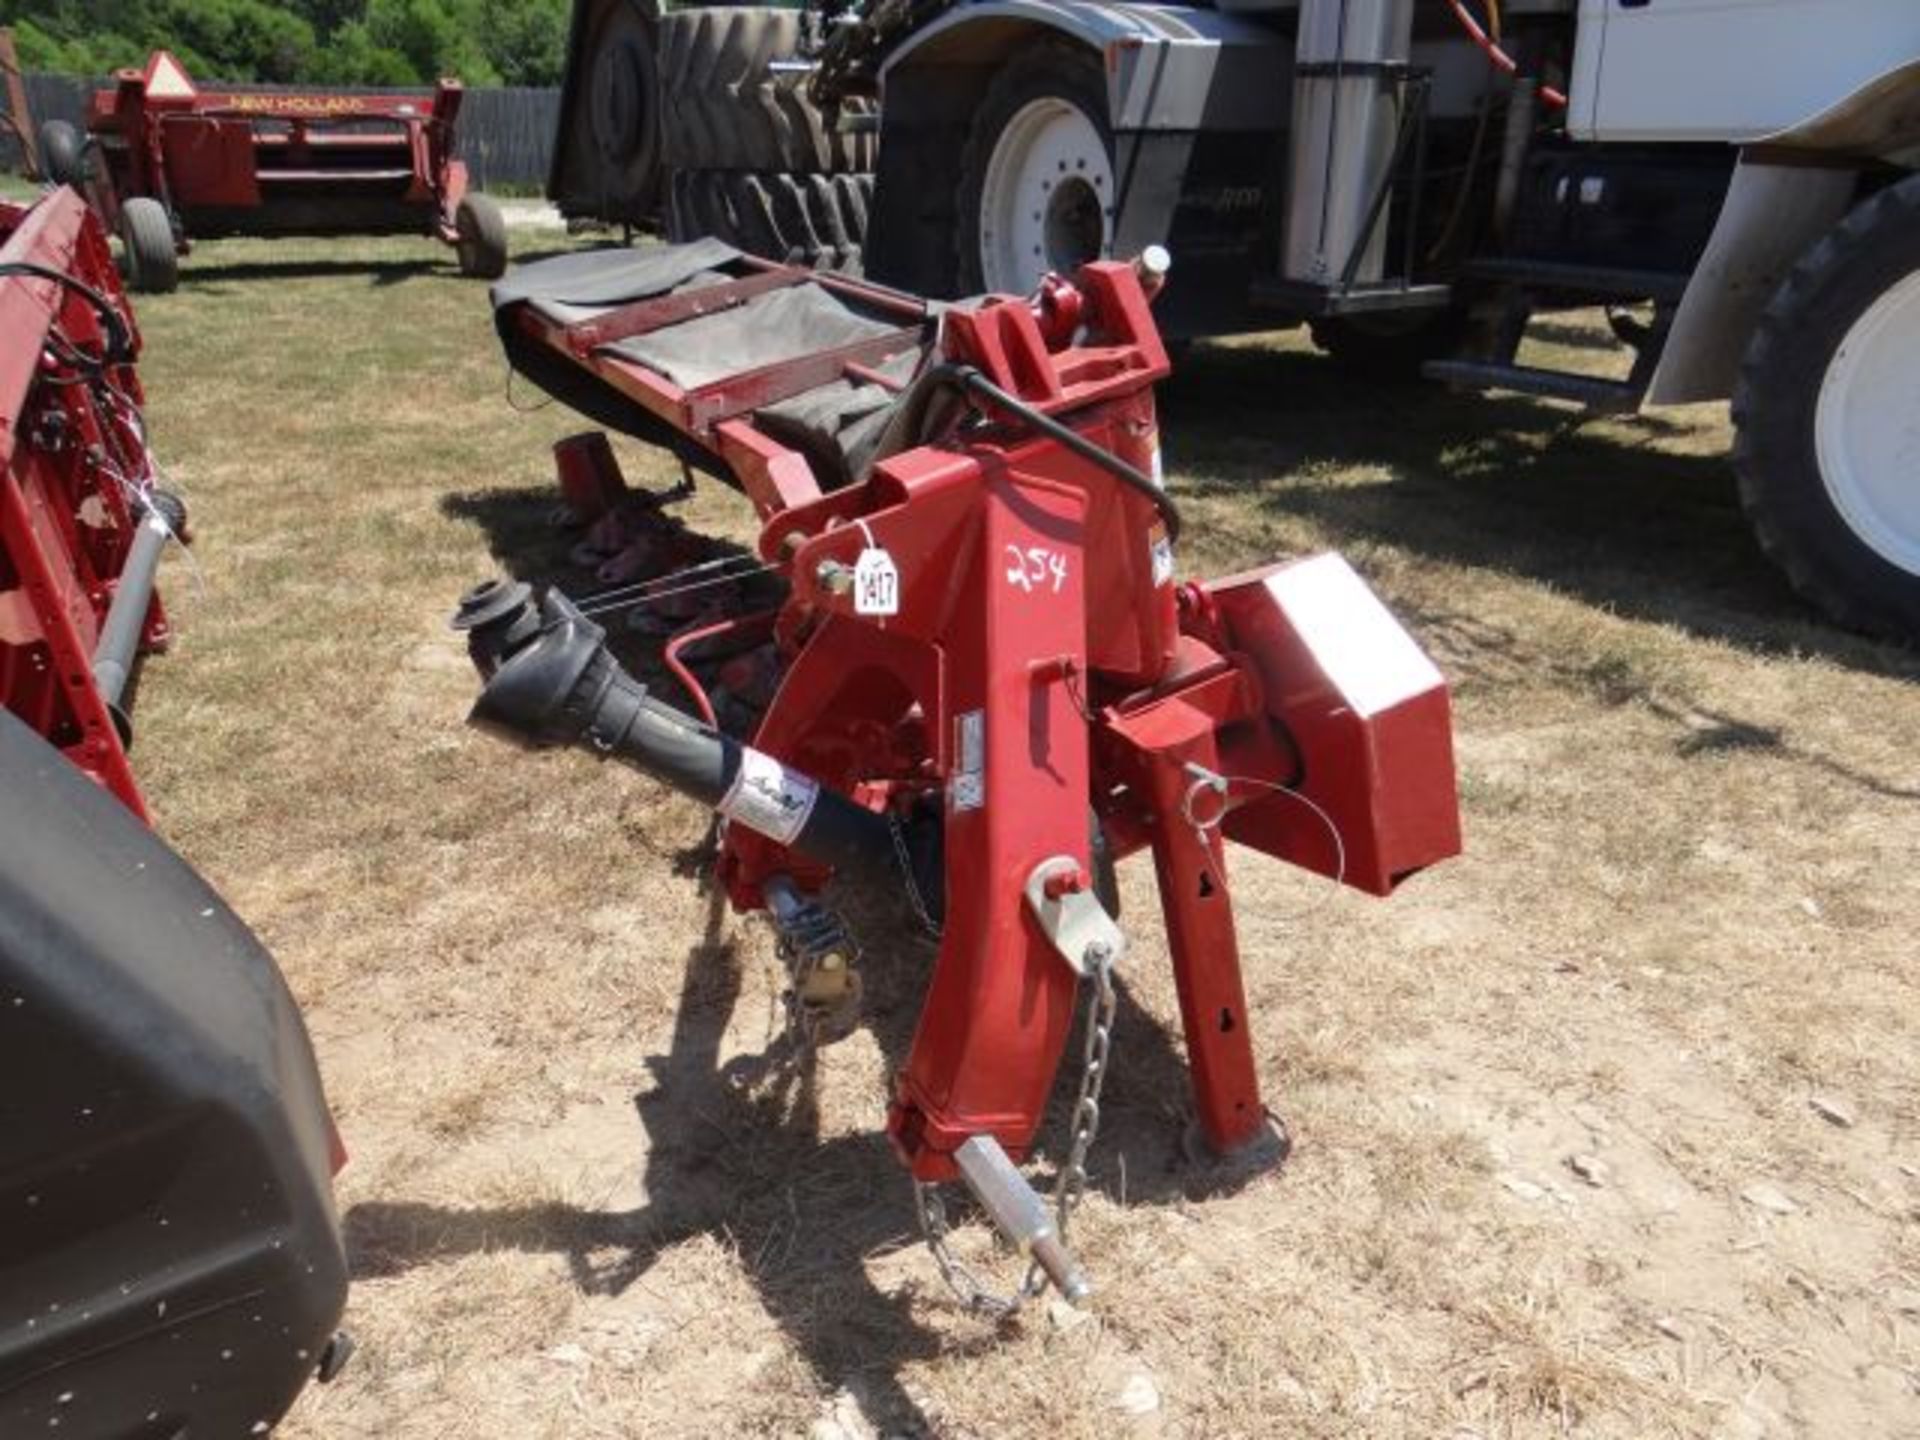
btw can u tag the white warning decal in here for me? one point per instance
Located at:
(1162, 553)
(768, 797)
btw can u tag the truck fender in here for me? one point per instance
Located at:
(1172, 72)
(1169, 67)
(1788, 190)
(1772, 214)
(1880, 120)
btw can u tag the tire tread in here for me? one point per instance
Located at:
(1774, 368)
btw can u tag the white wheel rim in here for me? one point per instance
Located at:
(1867, 427)
(1046, 202)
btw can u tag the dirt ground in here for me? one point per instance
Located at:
(1610, 1128)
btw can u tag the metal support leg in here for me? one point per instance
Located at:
(1191, 866)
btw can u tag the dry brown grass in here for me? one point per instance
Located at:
(1691, 811)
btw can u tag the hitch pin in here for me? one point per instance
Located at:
(1204, 781)
(1019, 1214)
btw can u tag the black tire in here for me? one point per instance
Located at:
(606, 150)
(726, 108)
(482, 246)
(1392, 345)
(153, 258)
(1775, 405)
(818, 220)
(623, 99)
(1053, 70)
(62, 154)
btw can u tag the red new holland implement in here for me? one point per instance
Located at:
(990, 684)
(82, 519)
(177, 162)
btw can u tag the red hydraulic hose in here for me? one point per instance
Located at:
(1501, 59)
(762, 620)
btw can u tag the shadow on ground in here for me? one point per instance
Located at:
(1602, 512)
(378, 273)
(734, 1148)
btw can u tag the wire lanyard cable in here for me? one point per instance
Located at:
(624, 597)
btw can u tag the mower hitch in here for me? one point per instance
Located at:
(981, 643)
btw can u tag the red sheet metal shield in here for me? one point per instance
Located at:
(1369, 713)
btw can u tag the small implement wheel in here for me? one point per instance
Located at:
(153, 259)
(1036, 178)
(482, 246)
(1827, 417)
(62, 154)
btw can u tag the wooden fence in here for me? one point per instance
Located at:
(506, 134)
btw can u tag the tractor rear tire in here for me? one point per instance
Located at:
(727, 109)
(62, 154)
(817, 220)
(153, 258)
(482, 246)
(1823, 416)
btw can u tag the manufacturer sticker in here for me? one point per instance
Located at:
(969, 787)
(769, 798)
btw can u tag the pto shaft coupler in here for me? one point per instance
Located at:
(551, 681)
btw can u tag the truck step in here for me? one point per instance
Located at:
(1608, 397)
(328, 177)
(1597, 280)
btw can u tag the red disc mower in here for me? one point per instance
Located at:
(987, 681)
(165, 162)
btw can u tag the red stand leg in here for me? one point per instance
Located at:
(1206, 959)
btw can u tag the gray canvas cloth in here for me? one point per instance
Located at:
(837, 425)
(569, 288)
(769, 329)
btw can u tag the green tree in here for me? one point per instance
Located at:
(341, 42)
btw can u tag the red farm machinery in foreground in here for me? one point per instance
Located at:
(83, 520)
(172, 1261)
(166, 162)
(979, 679)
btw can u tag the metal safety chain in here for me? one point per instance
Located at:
(914, 897)
(1069, 1184)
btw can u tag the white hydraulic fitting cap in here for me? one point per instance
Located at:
(1152, 265)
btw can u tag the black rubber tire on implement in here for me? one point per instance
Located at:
(1775, 404)
(1390, 346)
(818, 220)
(1052, 70)
(726, 109)
(62, 154)
(482, 246)
(153, 259)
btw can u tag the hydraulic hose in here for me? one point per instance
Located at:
(1502, 61)
(550, 680)
(969, 381)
